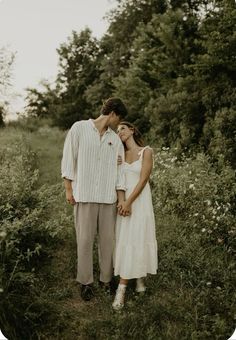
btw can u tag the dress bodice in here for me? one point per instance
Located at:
(132, 171)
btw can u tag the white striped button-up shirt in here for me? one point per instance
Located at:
(90, 162)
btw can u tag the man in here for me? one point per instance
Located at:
(93, 182)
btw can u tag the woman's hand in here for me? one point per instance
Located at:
(124, 208)
(69, 196)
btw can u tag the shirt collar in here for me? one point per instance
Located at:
(94, 127)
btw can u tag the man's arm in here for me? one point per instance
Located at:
(69, 160)
(69, 192)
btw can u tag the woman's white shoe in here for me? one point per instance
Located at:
(119, 298)
(140, 287)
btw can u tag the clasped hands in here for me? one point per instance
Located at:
(124, 208)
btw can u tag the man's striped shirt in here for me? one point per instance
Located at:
(90, 162)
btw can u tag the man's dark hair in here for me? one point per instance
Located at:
(116, 105)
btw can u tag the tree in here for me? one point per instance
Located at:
(40, 102)
(159, 54)
(215, 71)
(6, 61)
(78, 69)
(116, 44)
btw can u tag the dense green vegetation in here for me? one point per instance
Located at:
(172, 62)
(191, 297)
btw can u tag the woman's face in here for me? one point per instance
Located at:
(124, 132)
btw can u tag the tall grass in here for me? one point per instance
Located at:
(191, 297)
(28, 232)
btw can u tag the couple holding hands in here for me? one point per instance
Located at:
(106, 180)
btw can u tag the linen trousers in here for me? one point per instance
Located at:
(92, 219)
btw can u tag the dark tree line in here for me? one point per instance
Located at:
(172, 62)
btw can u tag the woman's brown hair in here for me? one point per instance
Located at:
(137, 135)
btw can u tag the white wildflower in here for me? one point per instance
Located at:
(3, 234)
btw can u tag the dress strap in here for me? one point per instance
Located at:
(142, 151)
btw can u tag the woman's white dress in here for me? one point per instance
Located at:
(135, 252)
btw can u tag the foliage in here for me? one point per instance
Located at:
(191, 297)
(202, 97)
(6, 62)
(171, 62)
(40, 102)
(78, 68)
(26, 236)
(195, 201)
(200, 194)
(2, 114)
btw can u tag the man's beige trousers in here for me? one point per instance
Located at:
(90, 219)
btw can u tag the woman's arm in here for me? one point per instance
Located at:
(147, 164)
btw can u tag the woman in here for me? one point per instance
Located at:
(136, 247)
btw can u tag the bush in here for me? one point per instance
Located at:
(195, 202)
(27, 233)
(200, 194)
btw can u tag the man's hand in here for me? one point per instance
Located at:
(69, 197)
(69, 192)
(124, 208)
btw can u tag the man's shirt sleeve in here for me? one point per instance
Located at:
(70, 153)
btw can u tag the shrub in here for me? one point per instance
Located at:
(200, 194)
(27, 232)
(195, 201)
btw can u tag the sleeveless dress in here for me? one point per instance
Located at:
(135, 253)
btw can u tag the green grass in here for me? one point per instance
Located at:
(176, 305)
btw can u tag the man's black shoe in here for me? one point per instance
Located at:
(108, 287)
(86, 292)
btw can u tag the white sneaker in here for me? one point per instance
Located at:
(140, 287)
(119, 298)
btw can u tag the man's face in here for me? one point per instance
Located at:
(114, 121)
